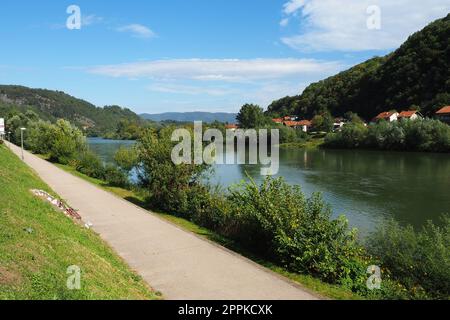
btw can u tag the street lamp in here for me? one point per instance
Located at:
(9, 139)
(21, 140)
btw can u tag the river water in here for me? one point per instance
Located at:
(367, 186)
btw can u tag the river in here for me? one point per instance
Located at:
(367, 186)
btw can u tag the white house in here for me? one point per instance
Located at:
(411, 115)
(389, 116)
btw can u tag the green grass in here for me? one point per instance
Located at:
(138, 198)
(311, 144)
(33, 265)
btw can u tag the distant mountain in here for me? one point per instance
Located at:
(415, 75)
(192, 116)
(52, 105)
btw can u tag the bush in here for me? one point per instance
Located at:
(90, 164)
(353, 135)
(168, 184)
(67, 142)
(126, 158)
(116, 177)
(419, 260)
(420, 135)
(277, 220)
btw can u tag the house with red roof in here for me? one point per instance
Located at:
(278, 120)
(444, 114)
(410, 115)
(303, 124)
(389, 116)
(232, 127)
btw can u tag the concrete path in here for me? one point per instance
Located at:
(175, 262)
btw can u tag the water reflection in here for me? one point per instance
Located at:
(366, 186)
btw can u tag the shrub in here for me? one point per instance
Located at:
(116, 177)
(67, 142)
(168, 184)
(419, 260)
(126, 158)
(420, 135)
(353, 135)
(278, 221)
(90, 164)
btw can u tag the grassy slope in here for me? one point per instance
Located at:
(33, 265)
(324, 289)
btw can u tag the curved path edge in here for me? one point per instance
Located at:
(177, 263)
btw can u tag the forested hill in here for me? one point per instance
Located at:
(52, 105)
(417, 74)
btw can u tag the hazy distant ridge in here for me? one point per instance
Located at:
(192, 116)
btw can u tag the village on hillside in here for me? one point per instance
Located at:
(295, 122)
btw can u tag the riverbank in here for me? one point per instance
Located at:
(38, 244)
(310, 144)
(177, 263)
(137, 197)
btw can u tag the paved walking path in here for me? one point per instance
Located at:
(173, 261)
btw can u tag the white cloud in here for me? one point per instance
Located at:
(284, 22)
(292, 6)
(190, 89)
(329, 25)
(88, 20)
(138, 31)
(228, 70)
(222, 82)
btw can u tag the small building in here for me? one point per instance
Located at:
(444, 114)
(278, 120)
(389, 116)
(232, 127)
(338, 124)
(290, 124)
(303, 124)
(410, 115)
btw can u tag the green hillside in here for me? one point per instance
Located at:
(38, 244)
(53, 105)
(417, 74)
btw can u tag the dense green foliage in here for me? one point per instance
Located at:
(110, 121)
(274, 221)
(168, 184)
(33, 265)
(279, 221)
(65, 144)
(323, 122)
(420, 260)
(418, 74)
(61, 141)
(251, 116)
(421, 135)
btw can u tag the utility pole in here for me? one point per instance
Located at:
(21, 139)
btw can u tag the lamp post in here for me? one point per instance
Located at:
(21, 140)
(9, 139)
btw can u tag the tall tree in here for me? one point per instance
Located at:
(251, 116)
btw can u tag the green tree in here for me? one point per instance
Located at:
(127, 158)
(169, 184)
(323, 122)
(251, 116)
(67, 142)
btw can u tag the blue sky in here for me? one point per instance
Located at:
(197, 55)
